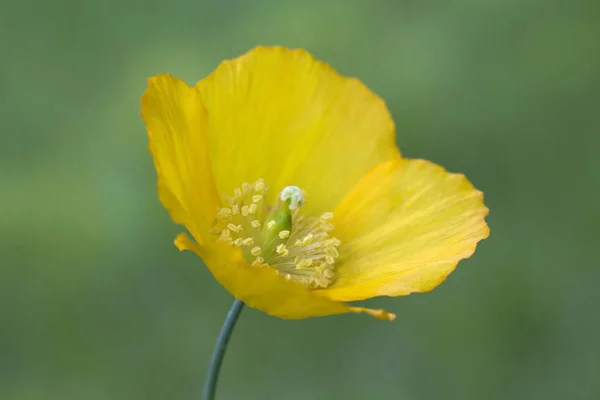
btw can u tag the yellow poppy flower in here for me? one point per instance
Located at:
(288, 177)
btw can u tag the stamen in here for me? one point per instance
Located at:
(326, 216)
(282, 250)
(234, 228)
(224, 213)
(259, 186)
(331, 251)
(298, 247)
(305, 241)
(258, 262)
(225, 239)
(304, 263)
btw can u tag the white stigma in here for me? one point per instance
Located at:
(294, 194)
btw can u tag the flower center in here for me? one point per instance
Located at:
(279, 236)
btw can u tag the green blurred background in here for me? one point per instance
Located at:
(96, 302)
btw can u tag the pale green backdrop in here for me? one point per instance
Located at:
(96, 303)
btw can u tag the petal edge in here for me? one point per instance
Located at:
(434, 220)
(261, 288)
(175, 120)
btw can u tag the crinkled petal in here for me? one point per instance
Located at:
(404, 228)
(261, 288)
(176, 123)
(280, 115)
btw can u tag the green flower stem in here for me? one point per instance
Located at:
(210, 386)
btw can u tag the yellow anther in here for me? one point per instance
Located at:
(225, 233)
(282, 250)
(224, 239)
(224, 213)
(256, 251)
(259, 185)
(284, 234)
(305, 263)
(237, 193)
(288, 277)
(255, 223)
(246, 187)
(322, 282)
(248, 241)
(326, 216)
(330, 260)
(258, 261)
(234, 228)
(253, 208)
(327, 227)
(334, 242)
(245, 211)
(256, 198)
(328, 274)
(235, 209)
(271, 225)
(305, 241)
(331, 251)
(238, 242)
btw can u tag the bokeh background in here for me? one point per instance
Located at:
(96, 302)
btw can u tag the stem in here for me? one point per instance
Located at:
(210, 386)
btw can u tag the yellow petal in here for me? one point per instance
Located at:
(280, 115)
(261, 288)
(176, 123)
(404, 228)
